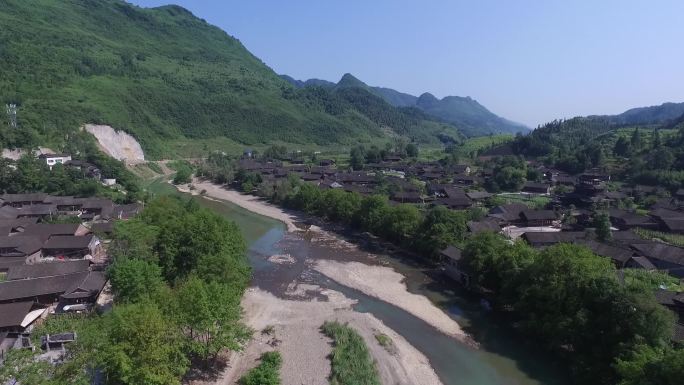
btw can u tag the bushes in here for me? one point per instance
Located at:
(183, 171)
(266, 373)
(351, 362)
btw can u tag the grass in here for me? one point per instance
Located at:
(535, 202)
(351, 362)
(474, 144)
(385, 341)
(266, 373)
(673, 239)
(154, 167)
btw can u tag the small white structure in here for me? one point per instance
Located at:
(53, 159)
(109, 181)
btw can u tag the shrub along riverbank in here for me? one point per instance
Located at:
(178, 274)
(350, 360)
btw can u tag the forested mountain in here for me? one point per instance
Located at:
(467, 114)
(163, 74)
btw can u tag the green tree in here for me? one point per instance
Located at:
(371, 213)
(357, 158)
(622, 147)
(134, 280)
(209, 315)
(412, 150)
(602, 227)
(636, 141)
(138, 345)
(647, 365)
(134, 239)
(401, 222)
(442, 227)
(20, 366)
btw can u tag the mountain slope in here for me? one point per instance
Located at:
(468, 115)
(161, 74)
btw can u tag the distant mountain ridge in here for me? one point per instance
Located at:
(472, 118)
(659, 114)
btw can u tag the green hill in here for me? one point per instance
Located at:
(644, 143)
(162, 75)
(471, 118)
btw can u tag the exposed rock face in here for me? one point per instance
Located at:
(117, 144)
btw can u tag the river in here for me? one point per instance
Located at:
(503, 358)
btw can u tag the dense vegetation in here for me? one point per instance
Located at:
(650, 155)
(573, 304)
(350, 360)
(30, 174)
(162, 74)
(178, 274)
(266, 373)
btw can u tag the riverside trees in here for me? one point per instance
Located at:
(572, 302)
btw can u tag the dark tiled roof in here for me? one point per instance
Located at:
(477, 195)
(29, 288)
(24, 244)
(102, 228)
(47, 230)
(509, 212)
(90, 285)
(674, 224)
(538, 215)
(643, 262)
(660, 251)
(665, 297)
(536, 186)
(604, 250)
(547, 238)
(454, 192)
(37, 210)
(68, 242)
(17, 222)
(485, 225)
(12, 314)
(451, 252)
(47, 269)
(8, 262)
(625, 236)
(14, 198)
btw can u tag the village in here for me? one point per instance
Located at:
(52, 261)
(644, 222)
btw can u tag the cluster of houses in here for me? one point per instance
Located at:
(568, 218)
(89, 170)
(48, 267)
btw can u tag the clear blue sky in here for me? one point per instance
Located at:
(529, 61)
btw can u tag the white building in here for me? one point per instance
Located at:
(53, 159)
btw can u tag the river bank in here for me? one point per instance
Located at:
(376, 281)
(247, 202)
(296, 317)
(292, 327)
